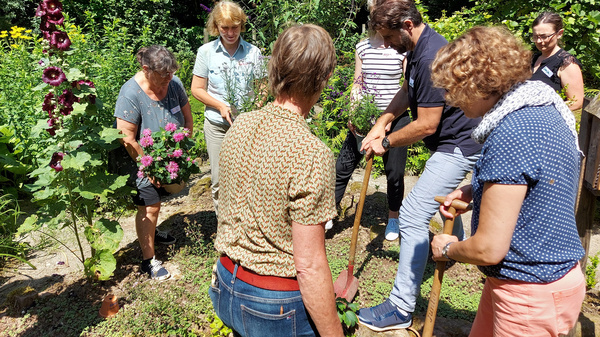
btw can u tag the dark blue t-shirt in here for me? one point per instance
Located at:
(454, 128)
(533, 146)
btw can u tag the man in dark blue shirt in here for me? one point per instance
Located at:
(446, 133)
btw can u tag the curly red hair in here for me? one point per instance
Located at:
(483, 62)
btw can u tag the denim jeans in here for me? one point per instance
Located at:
(443, 173)
(254, 312)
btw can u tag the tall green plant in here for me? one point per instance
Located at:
(269, 18)
(72, 177)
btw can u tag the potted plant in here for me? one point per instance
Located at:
(169, 157)
(363, 114)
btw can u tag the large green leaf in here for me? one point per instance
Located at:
(104, 235)
(30, 224)
(101, 265)
(101, 186)
(77, 162)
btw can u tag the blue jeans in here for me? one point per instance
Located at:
(250, 311)
(443, 173)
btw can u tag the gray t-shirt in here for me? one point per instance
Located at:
(135, 106)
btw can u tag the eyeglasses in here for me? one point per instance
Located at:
(165, 74)
(544, 38)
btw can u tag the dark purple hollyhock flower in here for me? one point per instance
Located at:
(52, 126)
(67, 98)
(60, 40)
(47, 26)
(39, 11)
(55, 161)
(53, 76)
(47, 105)
(78, 84)
(57, 19)
(66, 110)
(52, 6)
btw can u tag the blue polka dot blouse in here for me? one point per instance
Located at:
(533, 146)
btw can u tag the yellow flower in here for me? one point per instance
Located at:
(14, 46)
(28, 31)
(26, 37)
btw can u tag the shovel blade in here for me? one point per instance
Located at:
(346, 286)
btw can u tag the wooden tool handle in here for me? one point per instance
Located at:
(457, 204)
(359, 210)
(438, 275)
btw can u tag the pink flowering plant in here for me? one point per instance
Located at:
(169, 155)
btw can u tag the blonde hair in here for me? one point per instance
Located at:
(482, 62)
(303, 59)
(225, 12)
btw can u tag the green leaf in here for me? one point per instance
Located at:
(77, 162)
(74, 74)
(104, 235)
(350, 318)
(594, 16)
(30, 224)
(101, 265)
(40, 87)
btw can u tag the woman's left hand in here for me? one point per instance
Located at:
(438, 243)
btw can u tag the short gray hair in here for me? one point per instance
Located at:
(157, 58)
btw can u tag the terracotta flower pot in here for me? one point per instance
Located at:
(174, 188)
(110, 306)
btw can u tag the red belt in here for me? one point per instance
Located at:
(267, 282)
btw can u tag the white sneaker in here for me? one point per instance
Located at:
(329, 225)
(392, 230)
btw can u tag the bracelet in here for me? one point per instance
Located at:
(445, 250)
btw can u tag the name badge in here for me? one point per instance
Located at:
(411, 82)
(547, 71)
(175, 110)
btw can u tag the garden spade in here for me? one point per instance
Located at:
(440, 267)
(346, 284)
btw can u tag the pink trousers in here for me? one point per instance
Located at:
(515, 308)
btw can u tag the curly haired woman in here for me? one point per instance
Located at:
(524, 188)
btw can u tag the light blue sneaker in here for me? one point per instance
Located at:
(383, 317)
(392, 230)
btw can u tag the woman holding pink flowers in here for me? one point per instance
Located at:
(152, 99)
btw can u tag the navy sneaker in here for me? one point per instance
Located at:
(384, 317)
(155, 270)
(163, 238)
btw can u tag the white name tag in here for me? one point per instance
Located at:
(411, 82)
(547, 71)
(175, 110)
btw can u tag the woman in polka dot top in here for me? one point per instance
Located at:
(524, 187)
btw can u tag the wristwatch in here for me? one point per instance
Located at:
(385, 143)
(445, 250)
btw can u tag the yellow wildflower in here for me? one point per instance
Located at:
(28, 31)
(15, 46)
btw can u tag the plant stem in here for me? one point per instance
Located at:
(64, 245)
(73, 208)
